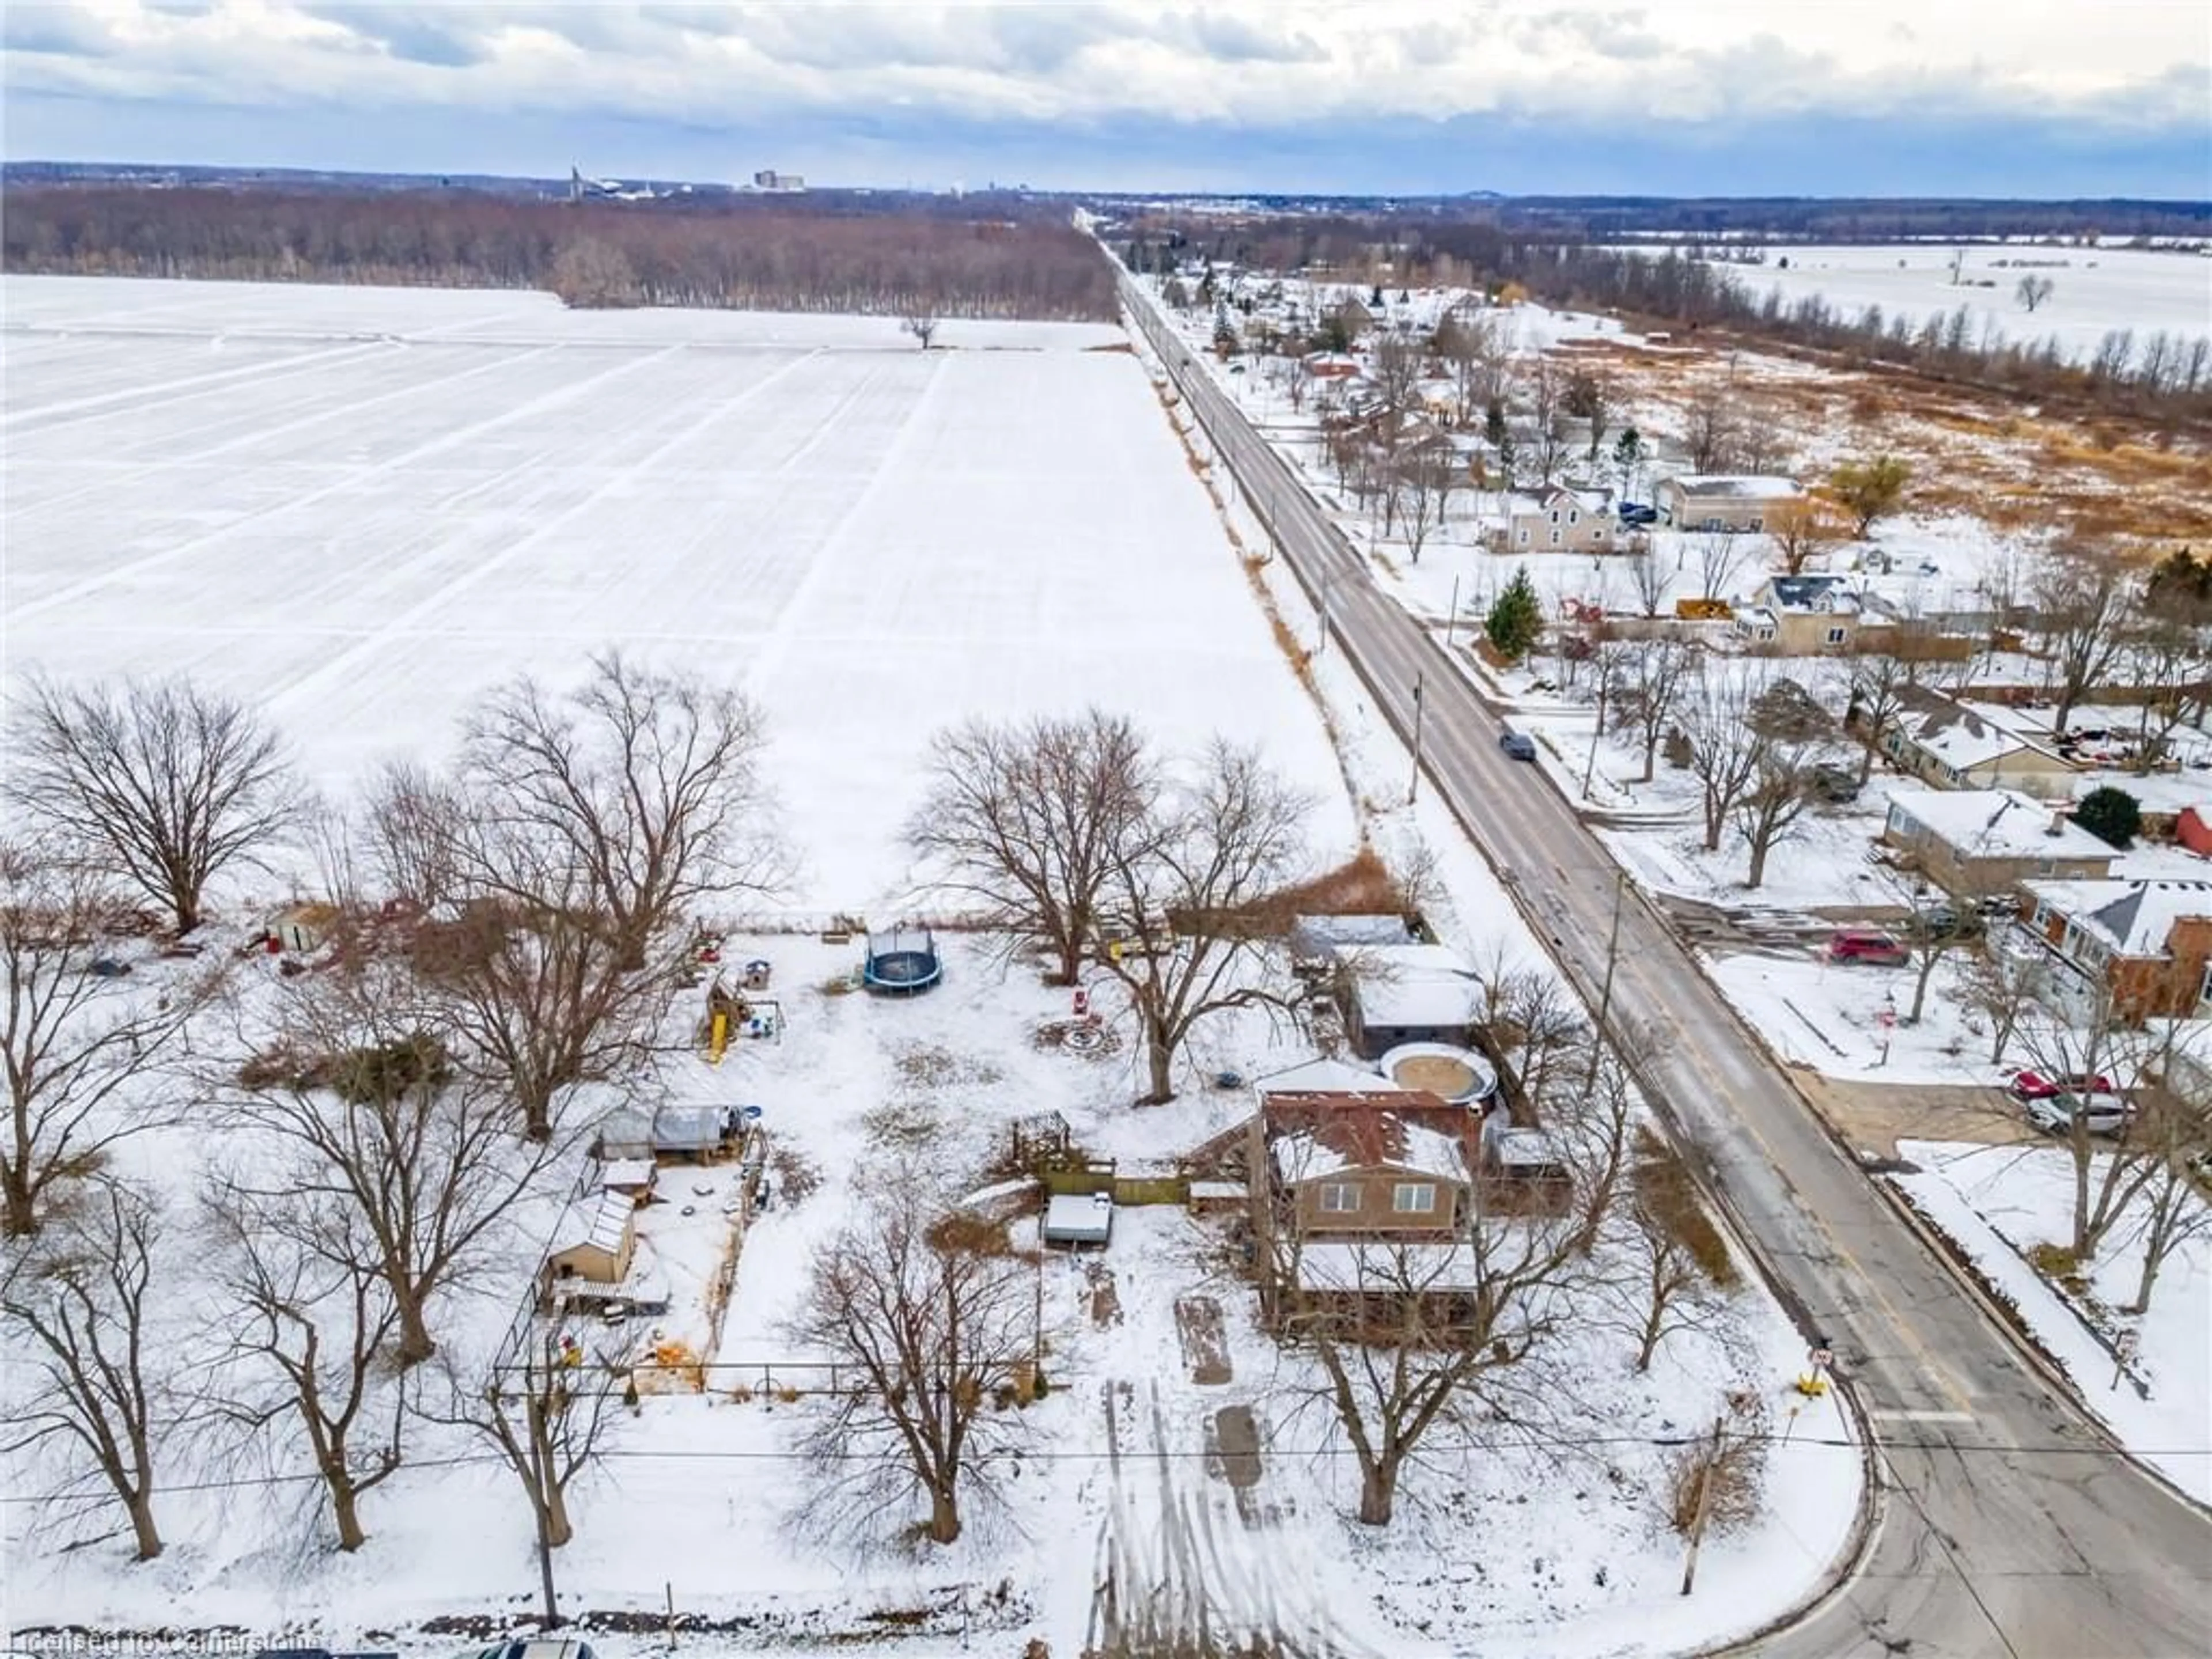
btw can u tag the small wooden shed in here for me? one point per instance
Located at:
(597, 1239)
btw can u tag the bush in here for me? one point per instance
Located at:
(1734, 1474)
(387, 1071)
(2112, 816)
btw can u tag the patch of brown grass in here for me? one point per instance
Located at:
(1669, 1199)
(1727, 1482)
(964, 1232)
(1362, 885)
(1121, 346)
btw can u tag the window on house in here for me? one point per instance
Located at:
(1573, 516)
(1413, 1198)
(1835, 636)
(1757, 524)
(1555, 538)
(1339, 1197)
(2204, 991)
(1598, 535)
(2044, 867)
(1524, 535)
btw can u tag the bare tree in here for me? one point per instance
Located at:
(2082, 598)
(1027, 818)
(518, 948)
(309, 1346)
(1428, 474)
(81, 1303)
(384, 1155)
(1647, 579)
(1936, 923)
(1723, 746)
(2098, 1042)
(1774, 802)
(1720, 556)
(2032, 291)
(548, 1417)
(921, 323)
(1547, 441)
(1879, 681)
(589, 274)
(1654, 673)
(2005, 980)
(171, 783)
(77, 1041)
(1802, 530)
(2167, 660)
(649, 781)
(1675, 1257)
(1468, 342)
(1710, 431)
(928, 1323)
(1184, 895)
(2175, 1134)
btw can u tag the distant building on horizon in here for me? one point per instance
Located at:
(788, 182)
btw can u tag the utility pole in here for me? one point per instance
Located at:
(1451, 614)
(1413, 790)
(1604, 685)
(1605, 993)
(1704, 1504)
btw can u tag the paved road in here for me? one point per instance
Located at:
(1985, 1548)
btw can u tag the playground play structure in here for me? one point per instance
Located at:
(738, 1010)
(900, 961)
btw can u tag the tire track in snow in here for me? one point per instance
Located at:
(406, 623)
(1172, 1583)
(769, 659)
(351, 480)
(135, 398)
(339, 412)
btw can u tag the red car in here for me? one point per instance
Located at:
(2034, 1086)
(1866, 945)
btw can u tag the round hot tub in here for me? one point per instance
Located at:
(1460, 1075)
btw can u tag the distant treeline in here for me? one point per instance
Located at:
(775, 256)
(1847, 219)
(2155, 374)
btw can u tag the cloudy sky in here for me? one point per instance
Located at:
(2040, 98)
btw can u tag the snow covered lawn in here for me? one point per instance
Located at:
(1996, 1204)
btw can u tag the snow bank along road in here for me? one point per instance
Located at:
(2010, 1528)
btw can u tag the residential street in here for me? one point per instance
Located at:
(2009, 1525)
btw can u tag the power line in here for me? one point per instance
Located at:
(695, 1455)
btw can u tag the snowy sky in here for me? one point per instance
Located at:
(2030, 97)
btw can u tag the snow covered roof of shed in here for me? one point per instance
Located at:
(1318, 936)
(599, 1223)
(1079, 1218)
(1415, 986)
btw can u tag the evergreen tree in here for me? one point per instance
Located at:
(1493, 424)
(1224, 336)
(2112, 816)
(1628, 460)
(1516, 619)
(1375, 300)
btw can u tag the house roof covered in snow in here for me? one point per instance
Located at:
(1734, 486)
(1321, 936)
(1325, 1077)
(2134, 918)
(598, 1223)
(1825, 594)
(1316, 1135)
(1954, 733)
(1995, 823)
(1415, 986)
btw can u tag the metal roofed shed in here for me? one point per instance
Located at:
(596, 1240)
(1319, 941)
(1075, 1218)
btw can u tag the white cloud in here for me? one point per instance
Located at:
(1261, 63)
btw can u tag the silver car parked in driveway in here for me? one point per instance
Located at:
(2105, 1113)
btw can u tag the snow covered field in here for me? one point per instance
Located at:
(359, 508)
(2093, 289)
